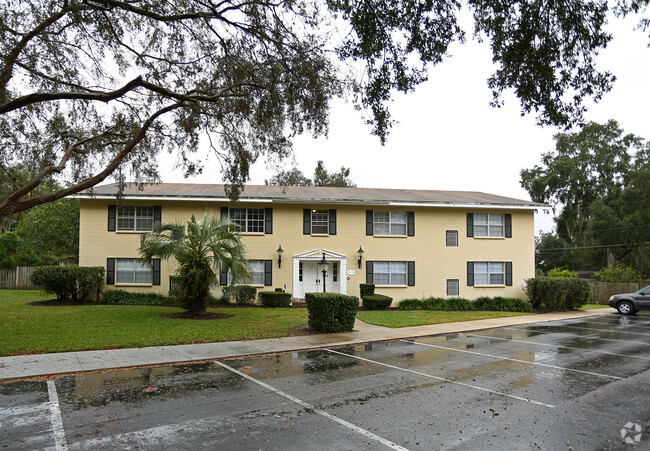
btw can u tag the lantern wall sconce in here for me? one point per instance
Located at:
(360, 252)
(280, 251)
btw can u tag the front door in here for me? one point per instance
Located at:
(311, 282)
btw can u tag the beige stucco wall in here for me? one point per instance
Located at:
(435, 262)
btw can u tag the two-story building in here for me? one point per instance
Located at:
(409, 243)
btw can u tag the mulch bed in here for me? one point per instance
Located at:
(188, 315)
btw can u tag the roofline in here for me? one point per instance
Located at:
(321, 201)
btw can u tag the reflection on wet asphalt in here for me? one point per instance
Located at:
(547, 385)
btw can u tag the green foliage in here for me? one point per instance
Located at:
(331, 312)
(275, 298)
(74, 283)
(202, 249)
(562, 272)
(243, 294)
(366, 289)
(15, 252)
(376, 302)
(618, 273)
(501, 304)
(295, 177)
(558, 293)
(122, 297)
(460, 304)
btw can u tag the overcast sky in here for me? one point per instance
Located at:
(449, 138)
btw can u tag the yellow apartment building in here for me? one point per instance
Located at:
(409, 243)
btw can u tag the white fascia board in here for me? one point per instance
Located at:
(484, 206)
(174, 198)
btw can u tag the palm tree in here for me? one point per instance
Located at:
(206, 248)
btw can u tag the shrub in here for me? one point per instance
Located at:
(70, 282)
(275, 298)
(331, 312)
(244, 294)
(456, 304)
(410, 304)
(560, 272)
(376, 302)
(366, 289)
(122, 297)
(557, 293)
(618, 273)
(501, 304)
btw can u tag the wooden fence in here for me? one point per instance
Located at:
(601, 291)
(17, 279)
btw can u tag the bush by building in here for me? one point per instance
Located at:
(376, 302)
(122, 297)
(558, 293)
(331, 312)
(275, 298)
(78, 284)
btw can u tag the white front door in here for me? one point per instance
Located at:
(311, 282)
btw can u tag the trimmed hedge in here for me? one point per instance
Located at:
(243, 294)
(461, 304)
(122, 297)
(74, 283)
(331, 312)
(366, 289)
(275, 298)
(555, 293)
(376, 302)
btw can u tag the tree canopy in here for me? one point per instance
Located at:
(90, 88)
(322, 177)
(600, 179)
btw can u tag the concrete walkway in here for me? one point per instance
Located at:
(24, 366)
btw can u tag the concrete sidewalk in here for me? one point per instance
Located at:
(24, 366)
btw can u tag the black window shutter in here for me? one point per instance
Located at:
(470, 274)
(369, 273)
(509, 274)
(224, 213)
(268, 220)
(268, 273)
(110, 271)
(157, 216)
(508, 221)
(306, 221)
(410, 223)
(369, 222)
(155, 264)
(411, 274)
(112, 212)
(332, 217)
(470, 224)
(223, 278)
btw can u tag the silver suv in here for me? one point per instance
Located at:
(630, 303)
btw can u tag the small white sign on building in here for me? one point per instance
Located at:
(351, 272)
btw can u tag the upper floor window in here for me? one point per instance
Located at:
(488, 224)
(389, 223)
(320, 222)
(135, 218)
(251, 220)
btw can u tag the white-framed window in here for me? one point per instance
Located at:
(389, 273)
(132, 271)
(451, 238)
(256, 273)
(320, 220)
(452, 287)
(488, 224)
(489, 273)
(251, 220)
(135, 218)
(389, 223)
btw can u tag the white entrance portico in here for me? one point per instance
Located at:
(308, 279)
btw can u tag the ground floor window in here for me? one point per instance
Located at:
(452, 287)
(489, 273)
(257, 272)
(133, 270)
(389, 273)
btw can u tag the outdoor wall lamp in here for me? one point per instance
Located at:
(322, 265)
(360, 252)
(280, 251)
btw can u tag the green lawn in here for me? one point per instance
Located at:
(27, 329)
(406, 318)
(595, 306)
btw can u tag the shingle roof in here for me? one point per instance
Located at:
(295, 194)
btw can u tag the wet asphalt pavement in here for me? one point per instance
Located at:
(572, 384)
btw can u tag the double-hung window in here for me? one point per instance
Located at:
(251, 220)
(389, 273)
(135, 218)
(133, 271)
(320, 222)
(489, 273)
(257, 272)
(389, 223)
(488, 225)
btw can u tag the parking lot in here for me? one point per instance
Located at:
(572, 384)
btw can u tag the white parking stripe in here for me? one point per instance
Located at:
(515, 360)
(604, 330)
(442, 379)
(576, 336)
(57, 422)
(311, 408)
(559, 346)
